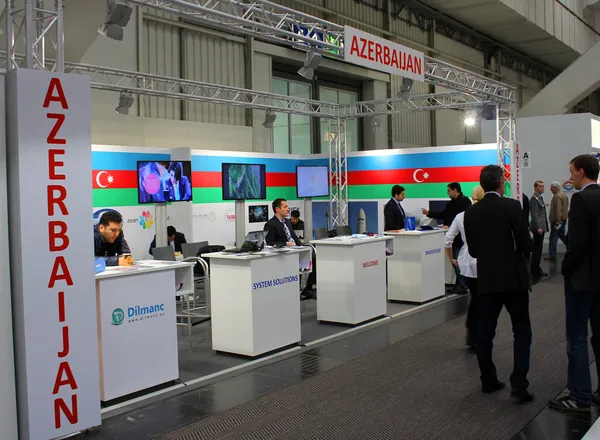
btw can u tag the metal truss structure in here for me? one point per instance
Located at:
(338, 172)
(33, 25)
(270, 22)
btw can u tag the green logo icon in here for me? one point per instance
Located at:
(117, 316)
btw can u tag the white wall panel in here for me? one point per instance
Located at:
(214, 59)
(160, 56)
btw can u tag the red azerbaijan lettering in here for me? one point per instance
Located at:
(58, 241)
(383, 54)
(371, 263)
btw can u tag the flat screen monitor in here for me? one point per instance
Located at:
(438, 206)
(164, 181)
(258, 214)
(244, 181)
(312, 181)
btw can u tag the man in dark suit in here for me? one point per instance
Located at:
(582, 285)
(393, 212)
(539, 227)
(280, 232)
(497, 236)
(175, 239)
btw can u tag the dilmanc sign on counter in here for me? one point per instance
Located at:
(52, 260)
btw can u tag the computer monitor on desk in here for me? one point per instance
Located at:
(438, 206)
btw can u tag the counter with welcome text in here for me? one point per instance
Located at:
(351, 278)
(416, 273)
(255, 299)
(137, 327)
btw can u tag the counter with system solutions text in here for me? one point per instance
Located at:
(137, 326)
(416, 273)
(351, 278)
(255, 299)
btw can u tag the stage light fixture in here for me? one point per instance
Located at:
(118, 15)
(313, 59)
(405, 89)
(269, 119)
(470, 118)
(125, 103)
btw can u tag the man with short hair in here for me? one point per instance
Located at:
(582, 285)
(109, 240)
(539, 227)
(393, 212)
(296, 222)
(280, 232)
(458, 203)
(497, 236)
(559, 211)
(176, 239)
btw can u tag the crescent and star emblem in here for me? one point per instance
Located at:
(110, 179)
(425, 176)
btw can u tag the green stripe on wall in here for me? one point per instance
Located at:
(115, 197)
(215, 195)
(413, 191)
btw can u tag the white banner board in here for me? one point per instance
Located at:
(51, 249)
(376, 53)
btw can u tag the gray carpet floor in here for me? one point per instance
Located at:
(424, 387)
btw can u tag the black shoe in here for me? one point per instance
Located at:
(596, 398)
(569, 404)
(521, 396)
(490, 388)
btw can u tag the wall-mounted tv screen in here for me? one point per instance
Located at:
(164, 181)
(312, 181)
(258, 214)
(244, 181)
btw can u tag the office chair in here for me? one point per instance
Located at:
(343, 230)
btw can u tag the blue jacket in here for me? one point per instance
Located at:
(110, 251)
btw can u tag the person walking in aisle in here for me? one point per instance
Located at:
(559, 211)
(467, 266)
(582, 285)
(497, 237)
(539, 227)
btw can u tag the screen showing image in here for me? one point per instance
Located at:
(258, 214)
(312, 181)
(164, 181)
(244, 181)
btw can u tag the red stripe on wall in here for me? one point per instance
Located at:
(114, 179)
(424, 175)
(212, 179)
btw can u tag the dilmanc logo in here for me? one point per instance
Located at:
(118, 316)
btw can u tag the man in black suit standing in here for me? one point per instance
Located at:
(497, 236)
(393, 212)
(280, 232)
(582, 285)
(539, 227)
(176, 239)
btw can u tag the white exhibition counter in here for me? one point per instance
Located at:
(416, 273)
(255, 299)
(137, 327)
(351, 278)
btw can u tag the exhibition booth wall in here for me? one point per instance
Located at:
(424, 172)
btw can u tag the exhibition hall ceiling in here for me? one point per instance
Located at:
(498, 20)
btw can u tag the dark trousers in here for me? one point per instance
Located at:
(536, 255)
(460, 285)
(312, 277)
(581, 307)
(472, 312)
(555, 234)
(517, 306)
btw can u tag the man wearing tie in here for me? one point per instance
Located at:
(280, 232)
(393, 212)
(539, 227)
